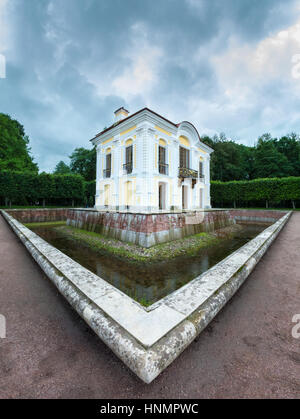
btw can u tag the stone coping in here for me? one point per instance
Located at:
(147, 339)
(150, 212)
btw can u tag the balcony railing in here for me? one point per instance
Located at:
(201, 177)
(106, 173)
(127, 168)
(163, 168)
(185, 172)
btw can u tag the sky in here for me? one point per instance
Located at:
(228, 66)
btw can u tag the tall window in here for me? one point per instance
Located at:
(184, 157)
(128, 159)
(107, 170)
(162, 166)
(201, 174)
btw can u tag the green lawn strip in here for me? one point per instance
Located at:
(188, 246)
(45, 224)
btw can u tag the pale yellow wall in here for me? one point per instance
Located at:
(107, 194)
(107, 141)
(128, 130)
(122, 113)
(184, 141)
(128, 193)
(162, 130)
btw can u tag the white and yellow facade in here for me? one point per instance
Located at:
(142, 164)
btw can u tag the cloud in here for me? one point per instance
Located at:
(4, 26)
(225, 66)
(141, 74)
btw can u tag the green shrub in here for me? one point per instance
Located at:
(27, 187)
(273, 190)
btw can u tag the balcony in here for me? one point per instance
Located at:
(163, 168)
(127, 168)
(185, 172)
(106, 173)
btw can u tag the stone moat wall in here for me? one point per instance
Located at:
(146, 229)
(39, 215)
(149, 229)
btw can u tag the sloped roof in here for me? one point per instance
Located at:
(155, 113)
(131, 116)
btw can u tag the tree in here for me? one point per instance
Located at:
(269, 162)
(62, 169)
(14, 150)
(83, 162)
(230, 161)
(289, 145)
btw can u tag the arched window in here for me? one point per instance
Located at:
(184, 152)
(107, 170)
(184, 141)
(162, 158)
(201, 168)
(128, 156)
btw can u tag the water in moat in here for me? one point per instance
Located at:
(144, 282)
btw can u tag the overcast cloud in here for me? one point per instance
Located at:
(224, 65)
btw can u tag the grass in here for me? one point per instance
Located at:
(188, 246)
(45, 224)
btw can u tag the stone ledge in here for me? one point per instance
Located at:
(123, 324)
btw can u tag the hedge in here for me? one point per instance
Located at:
(20, 188)
(89, 192)
(272, 190)
(25, 188)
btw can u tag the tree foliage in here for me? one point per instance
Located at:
(14, 149)
(62, 169)
(83, 162)
(270, 157)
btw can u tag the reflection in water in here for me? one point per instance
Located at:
(142, 281)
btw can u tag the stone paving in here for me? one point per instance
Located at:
(247, 351)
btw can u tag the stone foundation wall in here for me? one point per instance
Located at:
(149, 229)
(146, 230)
(263, 216)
